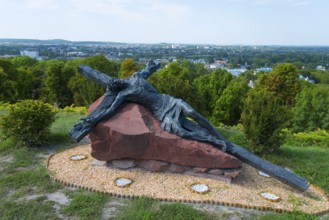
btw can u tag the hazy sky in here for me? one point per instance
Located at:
(261, 22)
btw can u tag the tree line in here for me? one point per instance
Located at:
(279, 99)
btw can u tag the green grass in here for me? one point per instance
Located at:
(59, 129)
(85, 205)
(29, 210)
(311, 163)
(288, 216)
(34, 180)
(147, 209)
(26, 174)
(5, 145)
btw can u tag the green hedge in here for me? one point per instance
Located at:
(28, 122)
(318, 138)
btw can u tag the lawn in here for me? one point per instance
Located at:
(26, 191)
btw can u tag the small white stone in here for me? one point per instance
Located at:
(122, 182)
(199, 188)
(98, 163)
(78, 157)
(270, 196)
(263, 174)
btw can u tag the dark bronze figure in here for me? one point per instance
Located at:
(172, 113)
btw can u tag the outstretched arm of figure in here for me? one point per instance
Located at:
(103, 111)
(94, 75)
(151, 67)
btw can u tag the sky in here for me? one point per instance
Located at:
(220, 22)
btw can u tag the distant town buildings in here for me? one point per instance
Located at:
(301, 77)
(32, 54)
(321, 68)
(251, 84)
(265, 69)
(219, 65)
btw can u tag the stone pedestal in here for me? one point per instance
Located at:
(134, 133)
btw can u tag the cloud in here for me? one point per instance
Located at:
(131, 9)
(262, 2)
(41, 4)
(169, 10)
(267, 2)
(100, 6)
(253, 2)
(299, 2)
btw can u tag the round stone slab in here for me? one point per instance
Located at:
(78, 157)
(270, 197)
(200, 188)
(123, 182)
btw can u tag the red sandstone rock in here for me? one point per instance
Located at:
(134, 133)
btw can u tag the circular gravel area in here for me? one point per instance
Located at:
(245, 190)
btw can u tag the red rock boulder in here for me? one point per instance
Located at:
(134, 133)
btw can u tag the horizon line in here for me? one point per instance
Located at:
(172, 43)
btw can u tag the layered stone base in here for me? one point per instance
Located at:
(226, 175)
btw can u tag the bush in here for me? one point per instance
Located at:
(263, 120)
(318, 138)
(4, 106)
(28, 122)
(75, 109)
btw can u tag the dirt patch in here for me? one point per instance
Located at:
(6, 159)
(58, 197)
(243, 192)
(111, 208)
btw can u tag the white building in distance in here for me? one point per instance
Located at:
(32, 54)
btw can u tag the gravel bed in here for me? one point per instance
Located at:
(243, 192)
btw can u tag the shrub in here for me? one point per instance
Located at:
(75, 109)
(263, 120)
(4, 106)
(28, 122)
(318, 138)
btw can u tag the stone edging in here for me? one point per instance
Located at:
(211, 202)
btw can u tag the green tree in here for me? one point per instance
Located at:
(8, 67)
(23, 61)
(230, 105)
(311, 111)
(84, 91)
(38, 72)
(127, 68)
(209, 89)
(320, 76)
(268, 107)
(174, 80)
(263, 120)
(283, 81)
(25, 83)
(8, 88)
(54, 83)
(102, 64)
